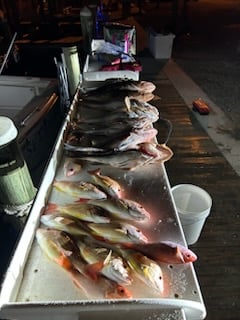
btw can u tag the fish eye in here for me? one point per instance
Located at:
(160, 277)
(121, 290)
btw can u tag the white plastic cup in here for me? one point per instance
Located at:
(193, 205)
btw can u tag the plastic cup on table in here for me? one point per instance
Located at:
(193, 205)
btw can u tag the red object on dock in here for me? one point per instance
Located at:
(201, 106)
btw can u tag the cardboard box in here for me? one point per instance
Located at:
(160, 45)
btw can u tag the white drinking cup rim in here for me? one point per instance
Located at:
(191, 215)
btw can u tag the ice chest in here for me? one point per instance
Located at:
(92, 66)
(160, 45)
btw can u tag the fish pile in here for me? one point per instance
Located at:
(114, 125)
(99, 234)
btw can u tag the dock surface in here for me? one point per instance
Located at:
(197, 160)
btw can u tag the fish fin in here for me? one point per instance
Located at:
(75, 276)
(179, 254)
(64, 262)
(108, 257)
(94, 269)
(127, 103)
(51, 207)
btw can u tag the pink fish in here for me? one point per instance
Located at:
(165, 251)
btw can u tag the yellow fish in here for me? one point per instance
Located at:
(79, 190)
(146, 269)
(109, 185)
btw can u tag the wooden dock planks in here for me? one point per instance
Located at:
(197, 160)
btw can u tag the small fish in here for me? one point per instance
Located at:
(56, 245)
(102, 261)
(123, 209)
(109, 185)
(62, 223)
(81, 211)
(147, 270)
(71, 168)
(79, 190)
(61, 249)
(166, 251)
(117, 233)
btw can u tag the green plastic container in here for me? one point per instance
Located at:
(16, 186)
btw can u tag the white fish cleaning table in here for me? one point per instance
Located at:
(34, 286)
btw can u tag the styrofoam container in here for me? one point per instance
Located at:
(160, 45)
(193, 206)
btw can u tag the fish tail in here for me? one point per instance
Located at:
(179, 254)
(75, 278)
